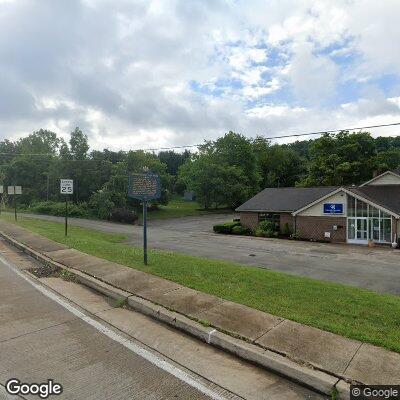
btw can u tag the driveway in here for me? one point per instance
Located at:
(376, 268)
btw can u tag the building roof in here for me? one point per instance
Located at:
(387, 196)
(396, 171)
(287, 199)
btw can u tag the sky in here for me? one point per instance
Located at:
(153, 73)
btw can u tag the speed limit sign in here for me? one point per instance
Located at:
(66, 186)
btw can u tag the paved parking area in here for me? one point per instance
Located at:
(376, 268)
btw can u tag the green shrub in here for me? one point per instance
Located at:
(295, 236)
(286, 231)
(101, 204)
(267, 234)
(79, 210)
(266, 226)
(240, 230)
(126, 216)
(226, 227)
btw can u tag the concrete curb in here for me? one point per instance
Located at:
(312, 378)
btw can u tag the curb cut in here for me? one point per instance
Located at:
(311, 378)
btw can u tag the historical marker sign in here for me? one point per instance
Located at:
(66, 186)
(144, 186)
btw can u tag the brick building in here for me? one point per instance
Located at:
(355, 214)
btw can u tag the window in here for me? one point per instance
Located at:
(361, 209)
(275, 218)
(351, 206)
(367, 222)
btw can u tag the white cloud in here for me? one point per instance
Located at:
(122, 69)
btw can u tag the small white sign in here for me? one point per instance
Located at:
(66, 186)
(1, 189)
(327, 235)
(14, 190)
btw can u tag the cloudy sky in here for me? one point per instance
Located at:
(149, 73)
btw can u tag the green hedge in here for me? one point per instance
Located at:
(58, 209)
(240, 230)
(226, 227)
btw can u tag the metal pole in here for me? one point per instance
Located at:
(145, 231)
(66, 215)
(15, 205)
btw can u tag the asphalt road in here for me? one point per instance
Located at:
(43, 336)
(372, 268)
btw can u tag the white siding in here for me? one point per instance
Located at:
(317, 210)
(387, 179)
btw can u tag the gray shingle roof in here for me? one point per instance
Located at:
(285, 199)
(396, 171)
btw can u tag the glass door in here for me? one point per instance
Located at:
(362, 229)
(365, 222)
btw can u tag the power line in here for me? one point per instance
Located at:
(287, 136)
(197, 145)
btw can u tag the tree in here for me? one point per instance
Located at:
(387, 160)
(173, 160)
(215, 184)
(278, 165)
(224, 172)
(342, 159)
(78, 144)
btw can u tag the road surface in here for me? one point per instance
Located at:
(371, 268)
(43, 335)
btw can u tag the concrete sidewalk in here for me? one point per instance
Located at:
(339, 357)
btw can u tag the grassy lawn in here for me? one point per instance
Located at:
(180, 208)
(345, 310)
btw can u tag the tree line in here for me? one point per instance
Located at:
(224, 172)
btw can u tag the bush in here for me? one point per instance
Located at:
(266, 226)
(125, 216)
(240, 230)
(226, 227)
(101, 204)
(295, 236)
(267, 234)
(286, 231)
(79, 210)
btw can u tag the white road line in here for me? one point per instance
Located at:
(147, 355)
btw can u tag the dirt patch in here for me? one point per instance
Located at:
(45, 271)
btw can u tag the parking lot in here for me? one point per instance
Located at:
(376, 268)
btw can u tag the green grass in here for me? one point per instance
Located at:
(345, 310)
(177, 208)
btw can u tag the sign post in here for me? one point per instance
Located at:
(66, 188)
(1, 196)
(14, 190)
(144, 187)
